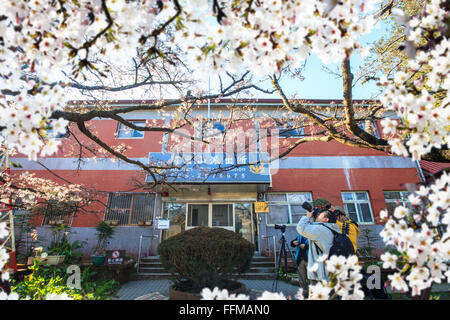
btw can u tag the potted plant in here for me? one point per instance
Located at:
(58, 241)
(148, 223)
(105, 232)
(141, 223)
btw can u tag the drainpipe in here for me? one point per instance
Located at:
(419, 169)
(209, 100)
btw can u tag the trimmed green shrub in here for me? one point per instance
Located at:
(205, 257)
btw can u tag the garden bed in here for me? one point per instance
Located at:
(119, 272)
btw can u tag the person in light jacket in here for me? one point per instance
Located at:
(320, 241)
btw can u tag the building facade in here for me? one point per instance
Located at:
(362, 181)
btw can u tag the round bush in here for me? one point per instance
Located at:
(205, 257)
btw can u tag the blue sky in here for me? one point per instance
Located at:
(319, 84)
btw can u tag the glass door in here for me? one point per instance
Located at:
(222, 215)
(243, 220)
(197, 215)
(176, 213)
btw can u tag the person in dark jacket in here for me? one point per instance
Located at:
(301, 258)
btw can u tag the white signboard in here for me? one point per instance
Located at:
(163, 224)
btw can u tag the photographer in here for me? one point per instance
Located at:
(320, 239)
(301, 258)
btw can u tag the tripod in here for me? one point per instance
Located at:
(284, 253)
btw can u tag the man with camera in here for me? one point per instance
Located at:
(316, 227)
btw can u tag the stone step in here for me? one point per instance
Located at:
(152, 270)
(261, 267)
(161, 276)
(150, 276)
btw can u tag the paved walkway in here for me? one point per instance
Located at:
(134, 289)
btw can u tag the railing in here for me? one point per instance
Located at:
(274, 248)
(140, 247)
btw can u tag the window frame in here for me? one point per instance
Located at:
(299, 132)
(403, 201)
(376, 133)
(68, 220)
(119, 125)
(286, 202)
(108, 207)
(357, 208)
(59, 135)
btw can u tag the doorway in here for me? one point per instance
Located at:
(233, 216)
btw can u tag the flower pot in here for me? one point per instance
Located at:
(182, 295)
(30, 261)
(53, 260)
(115, 222)
(141, 223)
(148, 223)
(98, 260)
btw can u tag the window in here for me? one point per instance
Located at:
(130, 208)
(370, 127)
(58, 213)
(397, 198)
(222, 215)
(198, 215)
(289, 129)
(60, 135)
(209, 129)
(126, 132)
(357, 205)
(286, 208)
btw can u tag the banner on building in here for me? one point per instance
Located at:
(210, 167)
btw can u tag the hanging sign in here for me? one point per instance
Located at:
(261, 207)
(163, 224)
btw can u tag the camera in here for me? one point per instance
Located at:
(315, 211)
(281, 227)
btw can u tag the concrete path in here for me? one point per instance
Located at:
(158, 289)
(134, 289)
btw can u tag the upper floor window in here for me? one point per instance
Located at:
(370, 127)
(209, 129)
(57, 212)
(397, 198)
(290, 129)
(286, 208)
(357, 205)
(59, 135)
(125, 132)
(130, 208)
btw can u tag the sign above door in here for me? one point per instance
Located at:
(210, 167)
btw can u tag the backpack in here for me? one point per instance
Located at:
(346, 226)
(342, 246)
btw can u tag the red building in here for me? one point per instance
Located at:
(362, 181)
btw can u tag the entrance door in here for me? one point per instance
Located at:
(222, 215)
(210, 215)
(176, 213)
(237, 217)
(197, 215)
(243, 220)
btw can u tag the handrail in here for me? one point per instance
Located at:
(140, 247)
(274, 248)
